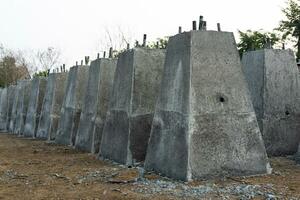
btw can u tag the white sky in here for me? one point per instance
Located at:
(77, 27)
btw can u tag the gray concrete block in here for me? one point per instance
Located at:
(204, 124)
(1, 92)
(273, 80)
(72, 105)
(1, 89)
(37, 93)
(22, 105)
(129, 117)
(95, 105)
(13, 118)
(52, 104)
(11, 95)
(3, 109)
(14, 108)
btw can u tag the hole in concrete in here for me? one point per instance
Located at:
(222, 99)
(287, 113)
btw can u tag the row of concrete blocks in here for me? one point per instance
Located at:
(185, 112)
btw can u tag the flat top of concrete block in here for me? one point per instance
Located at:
(259, 51)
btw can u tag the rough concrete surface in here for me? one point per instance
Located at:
(95, 105)
(72, 105)
(22, 106)
(204, 124)
(1, 89)
(52, 103)
(273, 80)
(3, 109)
(11, 94)
(129, 117)
(13, 118)
(37, 93)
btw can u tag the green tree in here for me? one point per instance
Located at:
(41, 74)
(254, 40)
(160, 43)
(291, 26)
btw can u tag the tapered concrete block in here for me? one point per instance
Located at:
(52, 104)
(1, 92)
(95, 105)
(204, 124)
(273, 80)
(72, 105)
(22, 106)
(14, 109)
(1, 89)
(11, 96)
(13, 118)
(37, 93)
(131, 108)
(3, 109)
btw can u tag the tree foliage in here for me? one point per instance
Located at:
(291, 25)
(160, 43)
(13, 66)
(41, 74)
(254, 40)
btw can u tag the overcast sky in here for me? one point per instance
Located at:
(77, 27)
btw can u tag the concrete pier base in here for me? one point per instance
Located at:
(273, 80)
(204, 124)
(3, 109)
(52, 103)
(37, 93)
(72, 105)
(22, 105)
(13, 118)
(129, 117)
(11, 96)
(95, 105)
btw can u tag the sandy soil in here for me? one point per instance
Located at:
(32, 169)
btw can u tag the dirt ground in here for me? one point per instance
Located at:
(32, 169)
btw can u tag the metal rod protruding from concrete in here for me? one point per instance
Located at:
(61, 68)
(137, 44)
(104, 54)
(110, 52)
(219, 27)
(157, 44)
(144, 40)
(268, 44)
(200, 22)
(64, 67)
(194, 25)
(81, 62)
(98, 55)
(283, 46)
(179, 29)
(128, 46)
(86, 60)
(48, 71)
